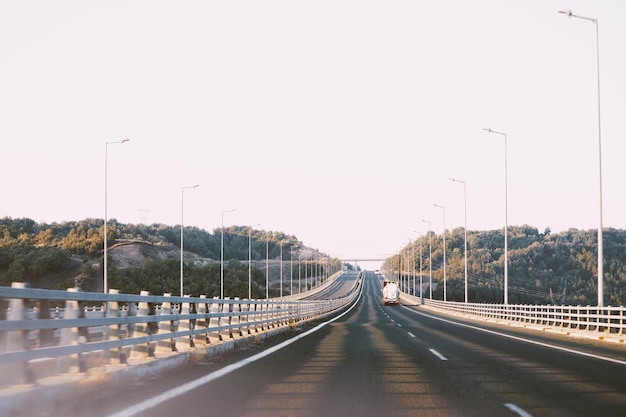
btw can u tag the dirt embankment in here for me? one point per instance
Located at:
(135, 254)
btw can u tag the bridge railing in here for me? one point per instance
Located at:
(600, 322)
(37, 340)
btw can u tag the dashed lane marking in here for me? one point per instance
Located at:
(437, 354)
(519, 411)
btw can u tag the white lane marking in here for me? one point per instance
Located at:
(521, 339)
(185, 388)
(437, 354)
(520, 411)
(398, 324)
(411, 334)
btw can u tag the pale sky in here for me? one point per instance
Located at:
(339, 122)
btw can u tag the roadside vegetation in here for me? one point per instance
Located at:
(68, 254)
(558, 268)
(544, 268)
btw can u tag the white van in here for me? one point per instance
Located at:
(391, 293)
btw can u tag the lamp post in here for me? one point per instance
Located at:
(412, 268)
(182, 218)
(250, 260)
(106, 190)
(222, 256)
(430, 258)
(291, 268)
(403, 262)
(445, 294)
(568, 13)
(281, 268)
(299, 273)
(506, 219)
(267, 266)
(291, 271)
(465, 211)
(419, 237)
(306, 272)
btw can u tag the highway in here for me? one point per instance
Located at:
(397, 361)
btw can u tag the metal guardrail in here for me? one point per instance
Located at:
(36, 340)
(601, 321)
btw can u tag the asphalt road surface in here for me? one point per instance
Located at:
(393, 361)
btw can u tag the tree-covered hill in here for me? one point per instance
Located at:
(62, 255)
(544, 267)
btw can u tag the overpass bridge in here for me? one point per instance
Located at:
(353, 357)
(355, 260)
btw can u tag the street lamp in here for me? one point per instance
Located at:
(106, 153)
(445, 294)
(401, 265)
(222, 256)
(465, 210)
(182, 217)
(299, 272)
(306, 272)
(250, 260)
(291, 268)
(506, 219)
(430, 258)
(412, 243)
(568, 13)
(419, 237)
(281, 268)
(267, 266)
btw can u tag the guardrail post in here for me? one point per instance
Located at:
(283, 313)
(225, 333)
(604, 317)
(214, 321)
(201, 308)
(244, 319)
(265, 315)
(69, 336)
(236, 311)
(577, 322)
(595, 318)
(16, 340)
(256, 308)
(272, 313)
(167, 327)
(114, 331)
(143, 329)
(132, 312)
(46, 336)
(186, 308)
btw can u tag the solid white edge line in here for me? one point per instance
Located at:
(521, 339)
(437, 354)
(520, 411)
(185, 388)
